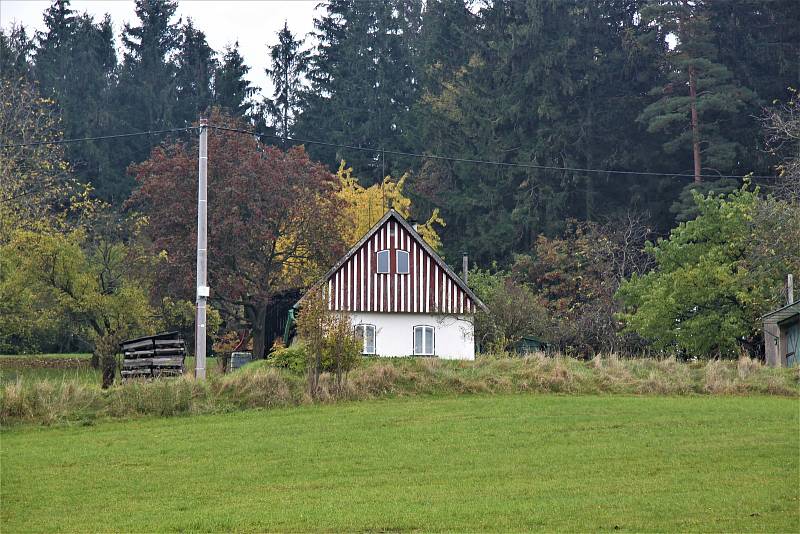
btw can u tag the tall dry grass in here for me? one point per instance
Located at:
(260, 386)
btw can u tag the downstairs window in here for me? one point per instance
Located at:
(366, 333)
(423, 341)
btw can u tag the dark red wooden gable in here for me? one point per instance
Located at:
(427, 288)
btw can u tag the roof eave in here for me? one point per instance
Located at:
(793, 309)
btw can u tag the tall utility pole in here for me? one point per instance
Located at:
(202, 255)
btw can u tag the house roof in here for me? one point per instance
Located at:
(392, 213)
(781, 314)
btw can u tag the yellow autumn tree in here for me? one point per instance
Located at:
(364, 206)
(37, 189)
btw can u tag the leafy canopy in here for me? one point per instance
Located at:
(272, 219)
(712, 279)
(364, 206)
(91, 282)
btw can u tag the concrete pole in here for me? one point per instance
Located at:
(790, 289)
(464, 266)
(202, 255)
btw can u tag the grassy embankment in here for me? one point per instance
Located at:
(49, 401)
(501, 463)
(60, 367)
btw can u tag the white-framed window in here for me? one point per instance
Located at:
(402, 262)
(383, 261)
(424, 340)
(366, 333)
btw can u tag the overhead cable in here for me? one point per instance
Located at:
(97, 138)
(485, 162)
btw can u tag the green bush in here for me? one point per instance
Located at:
(293, 358)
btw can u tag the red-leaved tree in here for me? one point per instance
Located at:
(272, 221)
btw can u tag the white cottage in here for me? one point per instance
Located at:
(402, 298)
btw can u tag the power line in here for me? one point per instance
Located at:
(78, 140)
(382, 152)
(26, 193)
(44, 186)
(36, 189)
(97, 138)
(487, 162)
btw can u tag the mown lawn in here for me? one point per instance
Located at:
(511, 462)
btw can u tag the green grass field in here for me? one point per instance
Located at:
(507, 462)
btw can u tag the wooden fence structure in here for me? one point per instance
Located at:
(153, 356)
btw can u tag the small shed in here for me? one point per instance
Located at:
(782, 336)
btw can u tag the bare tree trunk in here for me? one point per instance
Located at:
(259, 335)
(313, 374)
(683, 35)
(256, 313)
(109, 365)
(695, 124)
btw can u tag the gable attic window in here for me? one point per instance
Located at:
(383, 261)
(402, 262)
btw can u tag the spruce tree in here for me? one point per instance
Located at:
(759, 42)
(53, 54)
(147, 80)
(232, 90)
(289, 65)
(548, 84)
(16, 49)
(446, 41)
(363, 82)
(195, 66)
(146, 95)
(75, 66)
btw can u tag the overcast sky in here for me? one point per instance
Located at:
(253, 23)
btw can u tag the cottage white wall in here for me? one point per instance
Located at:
(394, 333)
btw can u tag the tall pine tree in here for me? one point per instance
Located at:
(701, 97)
(288, 67)
(363, 81)
(146, 96)
(195, 66)
(232, 90)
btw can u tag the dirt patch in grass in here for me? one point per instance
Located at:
(35, 362)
